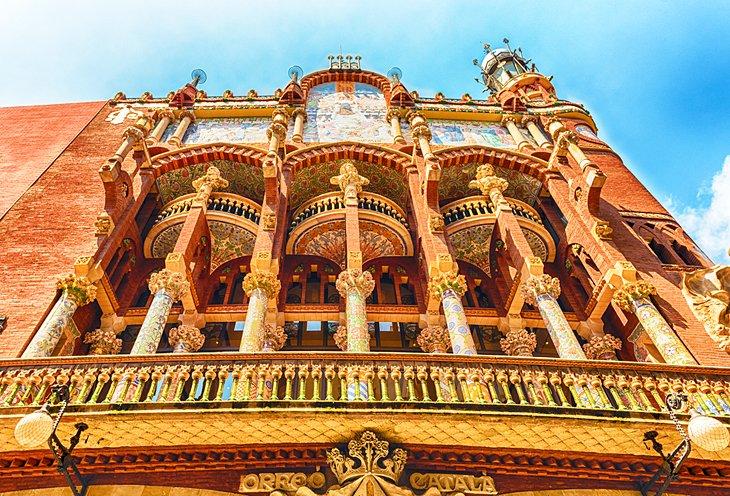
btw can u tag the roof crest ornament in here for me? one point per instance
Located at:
(346, 62)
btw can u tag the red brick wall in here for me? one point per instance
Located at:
(30, 140)
(52, 223)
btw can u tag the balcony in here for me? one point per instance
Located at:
(225, 203)
(333, 201)
(481, 207)
(383, 382)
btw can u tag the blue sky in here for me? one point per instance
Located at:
(654, 73)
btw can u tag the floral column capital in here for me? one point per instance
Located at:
(103, 342)
(78, 289)
(265, 281)
(434, 339)
(602, 347)
(443, 281)
(173, 283)
(274, 337)
(538, 285)
(349, 181)
(355, 280)
(518, 342)
(631, 292)
(186, 339)
(206, 183)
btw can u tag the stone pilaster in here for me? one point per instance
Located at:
(634, 297)
(355, 285)
(542, 292)
(77, 291)
(449, 287)
(168, 287)
(259, 287)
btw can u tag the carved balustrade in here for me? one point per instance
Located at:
(333, 201)
(226, 203)
(330, 380)
(480, 205)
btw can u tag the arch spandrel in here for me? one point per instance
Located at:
(327, 152)
(454, 183)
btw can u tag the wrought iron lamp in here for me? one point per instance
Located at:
(39, 427)
(708, 433)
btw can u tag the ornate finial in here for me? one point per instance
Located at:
(346, 63)
(371, 457)
(207, 182)
(349, 181)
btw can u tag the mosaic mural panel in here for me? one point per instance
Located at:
(229, 242)
(586, 131)
(472, 245)
(315, 180)
(454, 184)
(538, 246)
(346, 111)
(165, 241)
(228, 130)
(328, 240)
(447, 132)
(245, 180)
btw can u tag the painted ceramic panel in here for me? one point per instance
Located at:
(228, 130)
(470, 133)
(243, 179)
(454, 184)
(345, 111)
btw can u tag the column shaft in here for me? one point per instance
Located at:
(462, 342)
(252, 339)
(559, 329)
(159, 129)
(537, 134)
(177, 136)
(49, 334)
(299, 118)
(395, 127)
(663, 336)
(358, 337)
(153, 326)
(516, 133)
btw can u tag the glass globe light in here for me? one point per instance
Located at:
(708, 433)
(34, 429)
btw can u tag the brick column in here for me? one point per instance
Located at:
(393, 118)
(77, 292)
(168, 287)
(300, 117)
(354, 286)
(449, 287)
(543, 291)
(634, 297)
(259, 287)
(186, 117)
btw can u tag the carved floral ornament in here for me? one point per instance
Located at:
(369, 468)
(78, 289)
(173, 283)
(444, 281)
(206, 183)
(186, 339)
(602, 347)
(486, 181)
(631, 292)
(539, 285)
(274, 337)
(355, 280)
(103, 341)
(434, 339)
(518, 342)
(349, 180)
(265, 281)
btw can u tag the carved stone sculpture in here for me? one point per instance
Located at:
(707, 292)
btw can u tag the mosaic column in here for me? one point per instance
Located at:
(186, 117)
(77, 292)
(542, 292)
(355, 285)
(634, 297)
(274, 337)
(186, 339)
(393, 118)
(530, 122)
(300, 117)
(168, 287)
(449, 287)
(259, 287)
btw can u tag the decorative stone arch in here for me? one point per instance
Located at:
(200, 154)
(507, 159)
(328, 152)
(330, 76)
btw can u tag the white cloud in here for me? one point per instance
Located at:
(709, 223)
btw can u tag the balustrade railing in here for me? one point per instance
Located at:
(482, 205)
(219, 202)
(326, 380)
(333, 201)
